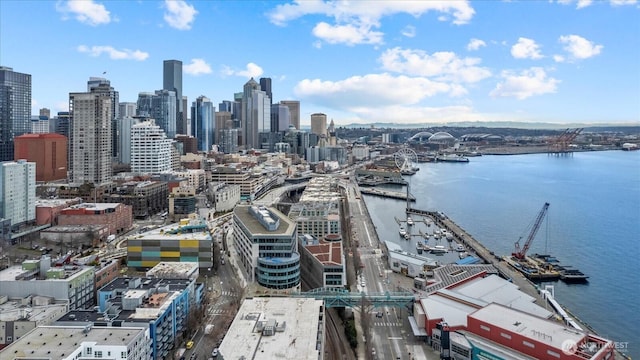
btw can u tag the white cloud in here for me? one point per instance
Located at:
(347, 34)
(531, 82)
(623, 2)
(359, 18)
(526, 49)
(409, 31)
(417, 114)
(475, 44)
(578, 47)
(85, 11)
(197, 67)
(442, 66)
(179, 14)
(252, 71)
(114, 54)
(372, 90)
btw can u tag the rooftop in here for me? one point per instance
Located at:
(328, 253)
(529, 326)
(173, 270)
(58, 342)
(14, 311)
(295, 323)
(184, 230)
(285, 226)
(95, 206)
(145, 283)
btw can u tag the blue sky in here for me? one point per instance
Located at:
(409, 62)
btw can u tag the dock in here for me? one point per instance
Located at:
(388, 194)
(462, 237)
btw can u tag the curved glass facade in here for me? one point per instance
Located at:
(278, 272)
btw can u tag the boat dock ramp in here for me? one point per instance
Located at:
(387, 194)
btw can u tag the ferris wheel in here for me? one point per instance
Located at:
(406, 160)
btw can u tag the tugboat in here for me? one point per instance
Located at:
(409, 221)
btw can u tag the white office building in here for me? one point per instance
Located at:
(18, 191)
(150, 148)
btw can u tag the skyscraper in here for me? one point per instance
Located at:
(203, 122)
(294, 110)
(103, 86)
(172, 80)
(15, 109)
(280, 117)
(265, 85)
(319, 124)
(161, 106)
(127, 109)
(256, 114)
(90, 138)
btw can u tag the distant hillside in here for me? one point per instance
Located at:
(624, 127)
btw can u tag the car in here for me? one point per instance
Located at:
(189, 344)
(214, 353)
(379, 314)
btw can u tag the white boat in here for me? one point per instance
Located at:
(463, 255)
(439, 249)
(451, 158)
(402, 231)
(409, 221)
(459, 247)
(407, 236)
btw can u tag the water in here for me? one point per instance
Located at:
(593, 222)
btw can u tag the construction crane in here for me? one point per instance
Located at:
(520, 253)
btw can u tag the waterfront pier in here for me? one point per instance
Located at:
(387, 194)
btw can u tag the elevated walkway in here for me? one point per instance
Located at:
(335, 297)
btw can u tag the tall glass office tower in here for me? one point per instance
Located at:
(172, 81)
(203, 122)
(15, 109)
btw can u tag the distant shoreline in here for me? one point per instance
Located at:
(522, 150)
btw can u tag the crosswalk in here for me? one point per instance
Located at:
(228, 293)
(215, 312)
(387, 324)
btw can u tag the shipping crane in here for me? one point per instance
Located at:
(520, 253)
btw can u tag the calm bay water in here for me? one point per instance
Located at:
(593, 222)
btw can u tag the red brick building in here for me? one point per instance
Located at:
(119, 217)
(189, 143)
(48, 151)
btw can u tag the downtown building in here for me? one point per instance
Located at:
(15, 109)
(267, 246)
(47, 151)
(160, 106)
(294, 111)
(150, 149)
(90, 140)
(172, 81)
(203, 122)
(256, 114)
(186, 241)
(18, 192)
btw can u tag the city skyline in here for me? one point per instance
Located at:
(419, 62)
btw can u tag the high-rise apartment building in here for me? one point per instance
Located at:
(203, 122)
(160, 106)
(172, 81)
(150, 149)
(90, 138)
(18, 191)
(319, 124)
(103, 86)
(294, 110)
(124, 134)
(223, 121)
(256, 114)
(47, 151)
(15, 109)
